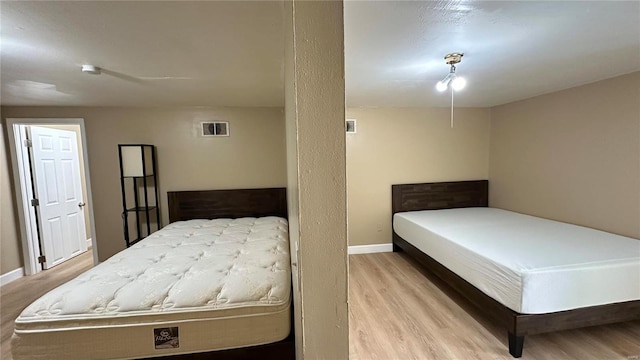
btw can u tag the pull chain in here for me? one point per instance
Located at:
(452, 107)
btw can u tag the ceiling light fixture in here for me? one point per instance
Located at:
(452, 81)
(91, 69)
(457, 82)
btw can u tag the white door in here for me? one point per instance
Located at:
(60, 209)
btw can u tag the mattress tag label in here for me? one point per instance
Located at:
(166, 338)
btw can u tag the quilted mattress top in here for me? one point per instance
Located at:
(198, 268)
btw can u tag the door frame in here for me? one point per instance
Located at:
(24, 187)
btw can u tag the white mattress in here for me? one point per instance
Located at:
(223, 283)
(528, 264)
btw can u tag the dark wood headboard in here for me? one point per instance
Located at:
(212, 204)
(439, 195)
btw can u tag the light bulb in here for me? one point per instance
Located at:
(458, 83)
(91, 69)
(441, 85)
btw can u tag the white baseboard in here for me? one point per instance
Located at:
(11, 276)
(368, 249)
(89, 243)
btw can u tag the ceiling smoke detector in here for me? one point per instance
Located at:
(91, 69)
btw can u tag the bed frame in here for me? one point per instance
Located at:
(458, 194)
(211, 204)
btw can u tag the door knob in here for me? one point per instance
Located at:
(81, 205)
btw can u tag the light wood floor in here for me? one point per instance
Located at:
(17, 295)
(399, 311)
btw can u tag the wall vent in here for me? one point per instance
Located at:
(350, 126)
(216, 128)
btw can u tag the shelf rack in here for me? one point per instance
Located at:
(139, 185)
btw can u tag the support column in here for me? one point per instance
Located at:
(316, 167)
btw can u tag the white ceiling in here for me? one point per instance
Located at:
(512, 49)
(214, 53)
(154, 53)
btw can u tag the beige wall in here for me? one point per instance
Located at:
(253, 156)
(572, 156)
(10, 246)
(395, 146)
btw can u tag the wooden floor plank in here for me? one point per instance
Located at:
(424, 319)
(396, 311)
(17, 295)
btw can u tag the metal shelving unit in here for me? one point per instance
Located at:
(139, 185)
